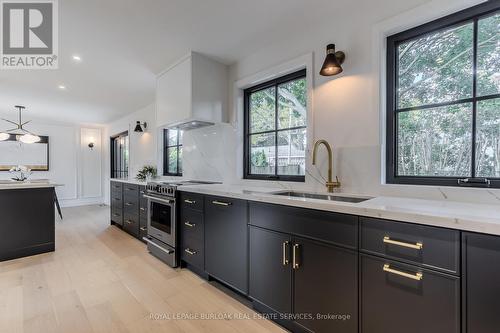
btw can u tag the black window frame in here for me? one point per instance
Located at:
(166, 146)
(119, 171)
(473, 15)
(246, 154)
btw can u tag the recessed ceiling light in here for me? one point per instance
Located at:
(77, 58)
(62, 87)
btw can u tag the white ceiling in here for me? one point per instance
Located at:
(124, 43)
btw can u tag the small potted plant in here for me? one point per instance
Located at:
(147, 173)
(21, 173)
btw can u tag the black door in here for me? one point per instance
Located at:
(270, 269)
(325, 287)
(397, 297)
(482, 281)
(226, 245)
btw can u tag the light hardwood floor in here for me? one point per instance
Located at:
(100, 279)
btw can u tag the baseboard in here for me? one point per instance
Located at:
(81, 202)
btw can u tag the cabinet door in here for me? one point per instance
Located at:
(270, 269)
(482, 276)
(226, 245)
(325, 286)
(397, 297)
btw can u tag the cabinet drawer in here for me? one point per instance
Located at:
(116, 216)
(130, 188)
(192, 252)
(431, 247)
(131, 224)
(339, 229)
(394, 301)
(191, 223)
(116, 188)
(131, 207)
(191, 201)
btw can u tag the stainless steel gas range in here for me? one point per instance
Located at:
(162, 219)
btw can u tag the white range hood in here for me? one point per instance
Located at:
(192, 93)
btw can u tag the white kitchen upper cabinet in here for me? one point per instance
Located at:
(195, 88)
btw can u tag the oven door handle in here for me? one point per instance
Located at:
(161, 200)
(157, 246)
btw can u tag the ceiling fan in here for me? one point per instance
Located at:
(21, 134)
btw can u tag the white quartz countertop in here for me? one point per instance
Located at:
(12, 184)
(449, 214)
(128, 181)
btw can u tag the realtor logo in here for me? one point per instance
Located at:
(29, 34)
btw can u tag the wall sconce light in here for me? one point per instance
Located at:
(333, 61)
(138, 127)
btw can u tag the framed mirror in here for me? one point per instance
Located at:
(34, 155)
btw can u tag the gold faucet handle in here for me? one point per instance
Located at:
(332, 185)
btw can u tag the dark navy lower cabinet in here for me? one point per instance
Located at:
(271, 269)
(226, 241)
(325, 286)
(481, 255)
(397, 297)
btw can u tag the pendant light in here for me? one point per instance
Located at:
(21, 134)
(333, 61)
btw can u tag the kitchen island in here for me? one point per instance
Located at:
(27, 220)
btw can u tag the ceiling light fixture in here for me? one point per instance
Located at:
(77, 58)
(62, 87)
(21, 134)
(333, 61)
(138, 127)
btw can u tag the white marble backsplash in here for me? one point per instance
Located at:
(215, 153)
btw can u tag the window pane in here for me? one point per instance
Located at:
(292, 152)
(181, 137)
(436, 67)
(172, 137)
(262, 110)
(172, 160)
(180, 159)
(488, 139)
(292, 104)
(435, 142)
(262, 154)
(488, 56)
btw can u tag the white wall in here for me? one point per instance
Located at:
(142, 146)
(69, 163)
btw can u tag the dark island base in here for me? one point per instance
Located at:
(27, 222)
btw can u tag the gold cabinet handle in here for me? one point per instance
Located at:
(128, 204)
(143, 209)
(143, 228)
(416, 246)
(295, 263)
(128, 221)
(190, 252)
(191, 225)
(417, 276)
(285, 259)
(191, 202)
(221, 203)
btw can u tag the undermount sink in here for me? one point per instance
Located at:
(329, 197)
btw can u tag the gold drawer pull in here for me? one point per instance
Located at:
(191, 202)
(128, 204)
(191, 225)
(143, 228)
(129, 222)
(285, 259)
(416, 246)
(220, 203)
(295, 262)
(190, 252)
(143, 209)
(416, 276)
